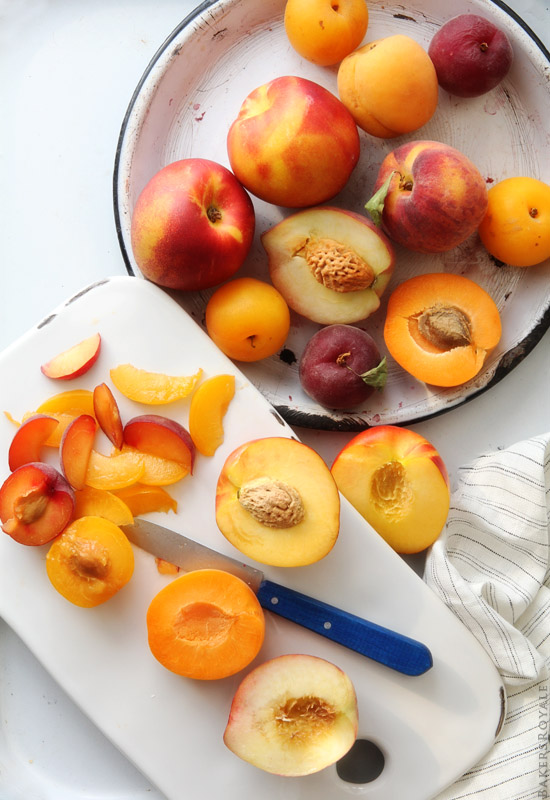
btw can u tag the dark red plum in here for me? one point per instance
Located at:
(341, 366)
(470, 55)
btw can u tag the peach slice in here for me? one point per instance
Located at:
(90, 562)
(398, 482)
(277, 502)
(108, 415)
(330, 265)
(113, 472)
(75, 361)
(74, 402)
(90, 502)
(157, 471)
(75, 449)
(142, 499)
(208, 407)
(29, 439)
(36, 503)
(162, 437)
(152, 388)
(293, 715)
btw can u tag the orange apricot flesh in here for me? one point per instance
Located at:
(143, 499)
(208, 407)
(152, 388)
(90, 502)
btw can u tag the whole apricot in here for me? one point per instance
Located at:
(389, 86)
(516, 226)
(323, 31)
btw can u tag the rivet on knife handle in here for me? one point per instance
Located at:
(374, 641)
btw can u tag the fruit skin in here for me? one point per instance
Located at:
(323, 32)
(293, 715)
(192, 225)
(332, 364)
(516, 227)
(436, 197)
(247, 319)
(278, 144)
(36, 503)
(327, 299)
(389, 86)
(75, 361)
(470, 55)
(268, 462)
(29, 439)
(162, 437)
(398, 482)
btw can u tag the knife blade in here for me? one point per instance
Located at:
(388, 647)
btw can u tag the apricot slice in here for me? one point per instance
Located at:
(108, 415)
(277, 502)
(75, 449)
(206, 624)
(293, 715)
(440, 327)
(208, 407)
(152, 388)
(36, 503)
(142, 499)
(157, 471)
(75, 361)
(330, 265)
(90, 502)
(162, 437)
(73, 401)
(90, 562)
(63, 420)
(398, 482)
(29, 439)
(113, 472)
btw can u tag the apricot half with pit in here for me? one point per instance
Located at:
(277, 502)
(329, 264)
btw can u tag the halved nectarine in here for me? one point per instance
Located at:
(162, 437)
(277, 502)
(152, 388)
(75, 361)
(90, 562)
(398, 482)
(208, 407)
(36, 503)
(206, 624)
(440, 327)
(29, 439)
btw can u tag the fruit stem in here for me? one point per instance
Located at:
(375, 206)
(214, 214)
(375, 377)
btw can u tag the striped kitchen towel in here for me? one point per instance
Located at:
(491, 566)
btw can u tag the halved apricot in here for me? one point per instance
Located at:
(440, 327)
(152, 388)
(113, 472)
(29, 439)
(277, 502)
(142, 499)
(90, 561)
(208, 407)
(206, 624)
(90, 502)
(156, 471)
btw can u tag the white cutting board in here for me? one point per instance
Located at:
(430, 728)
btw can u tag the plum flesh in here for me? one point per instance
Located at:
(471, 55)
(341, 366)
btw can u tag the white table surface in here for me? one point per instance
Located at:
(67, 71)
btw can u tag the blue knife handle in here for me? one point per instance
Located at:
(374, 641)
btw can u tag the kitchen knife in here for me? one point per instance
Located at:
(381, 644)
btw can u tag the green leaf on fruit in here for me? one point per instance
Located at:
(377, 376)
(375, 206)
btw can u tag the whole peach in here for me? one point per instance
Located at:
(435, 198)
(293, 144)
(389, 86)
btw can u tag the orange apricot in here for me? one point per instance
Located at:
(247, 319)
(90, 502)
(152, 388)
(516, 226)
(90, 561)
(142, 499)
(440, 327)
(323, 31)
(208, 407)
(206, 624)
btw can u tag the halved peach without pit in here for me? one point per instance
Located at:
(277, 502)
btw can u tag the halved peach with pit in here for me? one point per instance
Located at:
(90, 562)
(440, 327)
(29, 439)
(208, 407)
(398, 482)
(330, 265)
(152, 388)
(277, 502)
